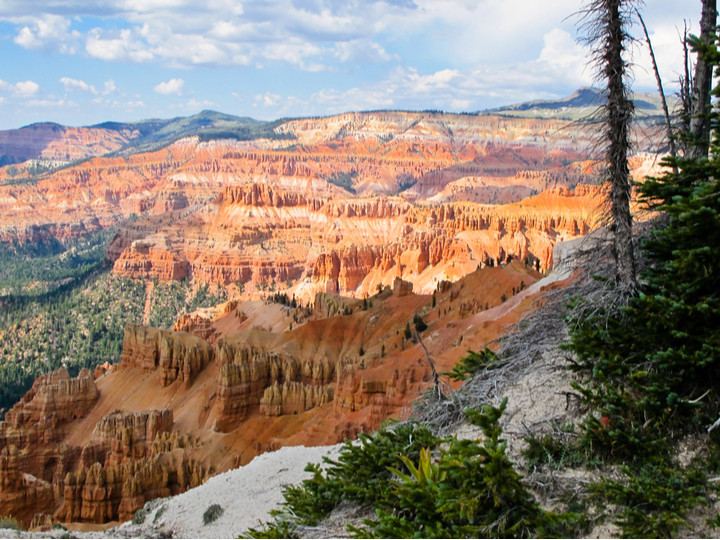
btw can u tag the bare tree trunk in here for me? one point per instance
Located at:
(699, 118)
(619, 110)
(686, 83)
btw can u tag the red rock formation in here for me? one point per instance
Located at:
(31, 453)
(178, 409)
(176, 355)
(401, 287)
(130, 458)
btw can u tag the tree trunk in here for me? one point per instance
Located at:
(700, 119)
(619, 115)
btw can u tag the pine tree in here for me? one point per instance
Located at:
(653, 369)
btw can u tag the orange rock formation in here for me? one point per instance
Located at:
(179, 408)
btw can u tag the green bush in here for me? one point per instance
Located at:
(474, 363)
(159, 513)
(420, 488)
(213, 512)
(557, 453)
(653, 499)
(139, 517)
(471, 490)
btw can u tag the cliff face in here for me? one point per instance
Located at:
(176, 356)
(258, 235)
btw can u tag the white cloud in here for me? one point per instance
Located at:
(26, 88)
(668, 53)
(199, 104)
(20, 89)
(49, 103)
(123, 45)
(109, 87)
(49, 32)
(173, 86)
(362, 51)
(75, 84)
(119, 104)
(267, 100)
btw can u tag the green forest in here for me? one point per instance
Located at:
(61, 306)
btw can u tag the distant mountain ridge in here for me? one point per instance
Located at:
(57, 145)
(582, 103)
(155, 133)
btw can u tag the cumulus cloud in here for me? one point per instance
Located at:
(49, 32)
(122, 45)
(267, 100)
(75, 84)
(173, 86)
(26, 88)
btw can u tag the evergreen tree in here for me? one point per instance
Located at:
(653, 369)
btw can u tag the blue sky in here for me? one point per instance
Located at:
(79, 62)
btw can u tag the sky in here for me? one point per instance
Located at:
(80, 62)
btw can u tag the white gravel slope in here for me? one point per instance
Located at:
(246, 494)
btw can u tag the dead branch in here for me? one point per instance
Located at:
(671, 137)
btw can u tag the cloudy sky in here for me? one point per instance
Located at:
(79, 62)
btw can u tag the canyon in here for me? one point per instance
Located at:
(339, 204)
(180, 407)
(332, 238)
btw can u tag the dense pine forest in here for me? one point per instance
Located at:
(61, 306)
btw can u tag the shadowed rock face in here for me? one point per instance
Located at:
(175, 355)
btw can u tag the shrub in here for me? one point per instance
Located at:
(213, 512)
(9, 522)
(653, 499)
(139, 517)
(474, 363)
(360, 474)
(159, 513)
(418, 488)
(419, 324)
(470, 490)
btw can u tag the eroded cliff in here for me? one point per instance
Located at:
(179, 408)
